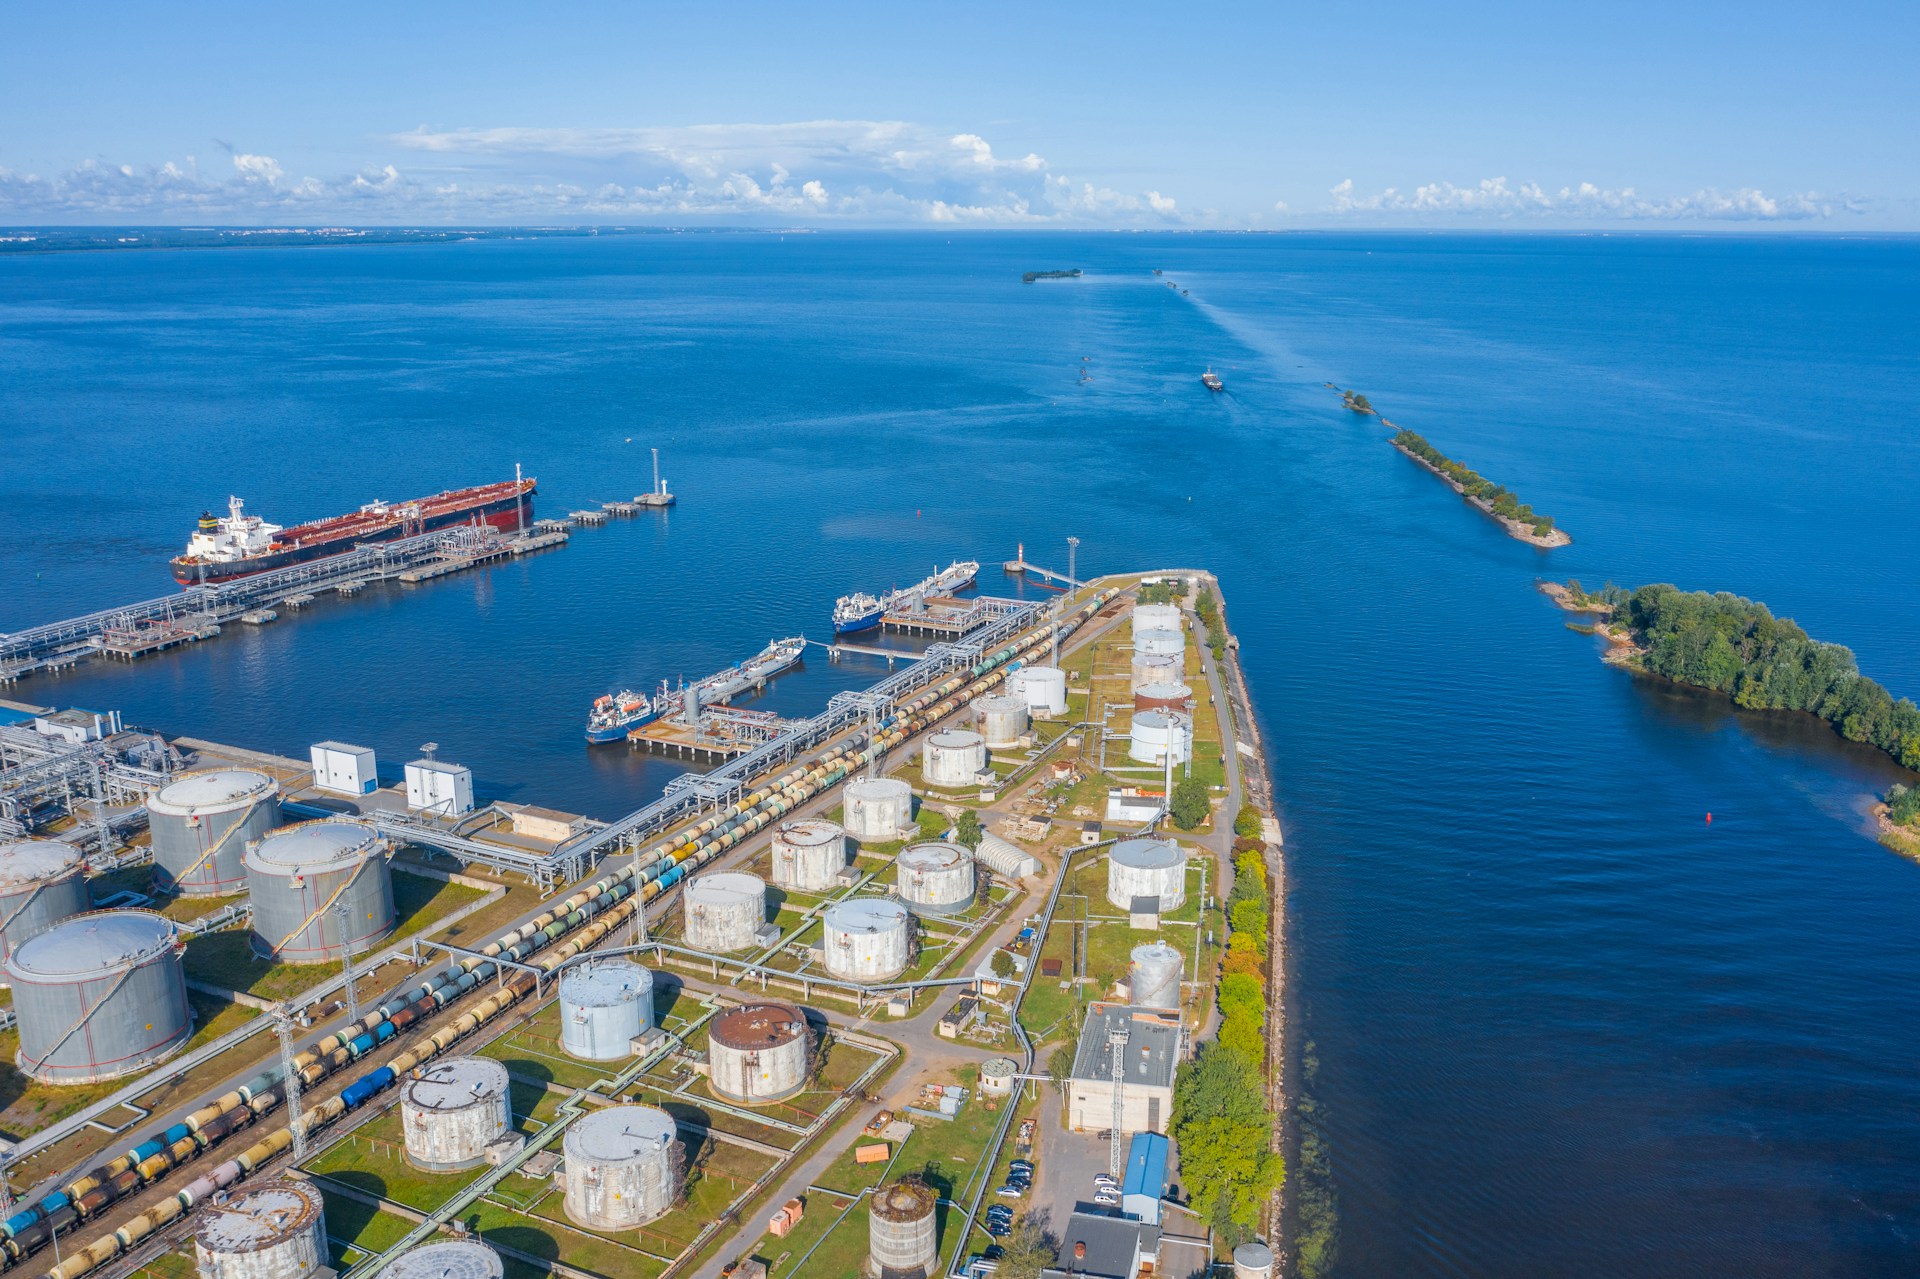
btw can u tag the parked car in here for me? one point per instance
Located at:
(1106, 1180)
(993, 1252)
(999, 1212)
(1107, 1199)
(1021, 1165)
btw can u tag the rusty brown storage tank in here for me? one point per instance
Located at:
(1163, 697)
(903, 1240)
(42, 881)
(273, 1230)
(99, 996)
(202, 823)
(758, 1052)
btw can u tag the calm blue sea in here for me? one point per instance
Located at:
(1560, 1023)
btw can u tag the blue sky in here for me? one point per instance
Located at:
(1125, 115)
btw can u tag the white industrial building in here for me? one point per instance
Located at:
(343, 769)
(1151, 1055)
(439, 788)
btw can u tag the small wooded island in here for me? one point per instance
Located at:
(1736, 646)
(1031, 276)
(1520, 520)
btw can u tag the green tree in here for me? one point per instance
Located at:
(1222, 1126)
(1025, 1251)
(1001, 963)
(1190, 805)
(967, 831)
(1060, 1067)
(1249, 822)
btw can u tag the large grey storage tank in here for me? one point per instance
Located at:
(42, 881)
(99, 996)
(449, 1259)
(934, 878)
(724, 910)
(272, 1230)
(1157, 668)
(953, 757)
(1156, 617)
(453, 1109)
(1002, 720)
(879, 809)
(604, 1007)
(1153, 976)
(903, 1233)
(1169, 643)
(301, 878)
(808, 853)
(758, 1052)
(202, 823)
(622, 1167)
(1253, 1260)
(866, 939)
(1153, 868)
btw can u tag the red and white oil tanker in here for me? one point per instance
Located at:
(239, 545)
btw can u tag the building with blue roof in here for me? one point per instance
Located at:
(1146, 1178)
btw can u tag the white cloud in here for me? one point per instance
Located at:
(252, 168)
(1496, 199)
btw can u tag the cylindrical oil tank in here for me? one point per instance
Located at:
(878, 809)
(903, 1237)
(1163, 697)
(1156, 735)
(99, 996)
(758, 1052)
(452, 1110)
(319, 890)
(1042, 688)
(866, 939)
(955, 757)
(270, 1230)
(1147, 868)
(1161, 643)
(808, 853)
(934, 878)
(202, 823)
(1002, 720)
(622, 1167)
(1156, 617)
(1153, 976)
(604, 1007)
(42, 881)
(1005, 859)
(1156, 668)
(1253, 1260)
(996, 1076)
(724, 910)
(451, 1259)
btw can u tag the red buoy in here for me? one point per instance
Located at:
(1709, 819)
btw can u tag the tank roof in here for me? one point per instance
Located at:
(1254, 1256)
(91, 945)
(956, 739)
(1145, 631)
(1156, 952)
(1004, 701)
(32, 860)
(758, 1025)
(728, 885)
(931, 856)
(259, 1217)
(1148, 854)
(999, 1067)
(456, 1083)
(618, 1132)
(880, 786)
(311, 847)
(903, 1201)
(1159, 721)
(867, 915)
(1163, 690)
(607, 982)
(811, 830)
(449, 1259)
(212, 791)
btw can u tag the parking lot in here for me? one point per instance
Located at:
(1067, 1161)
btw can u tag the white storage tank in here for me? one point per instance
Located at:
(1147, 868)
(867, 939)
(1002, 720)
(271, 1230)
(808, 853)
(604, 1006)
(903, 1232)
(997, 1076)
(1253, 1260)
(952, 758)
(1163, 697)
(449, 1259)
(1160, 643)
(1153, 976)
(1157, 668)
(1007, 860)
(1156, 735)
(1042, 688)
(758, 1052)
(202, 823)
(724, 910)
(319, 889)
(42, 881)
(343, 769)
(934, 878)
(437, 787)
(1157, 617)
(879, 809)
(622, 1167)
(99, 996)
(451, 1110)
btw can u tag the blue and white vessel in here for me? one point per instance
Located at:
(856, 612)
(862, 612)
(614, 714)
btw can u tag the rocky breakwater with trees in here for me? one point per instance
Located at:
(1516, 517)
(1736, 646)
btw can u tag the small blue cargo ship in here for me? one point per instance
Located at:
(862, 612)
(615, 713)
